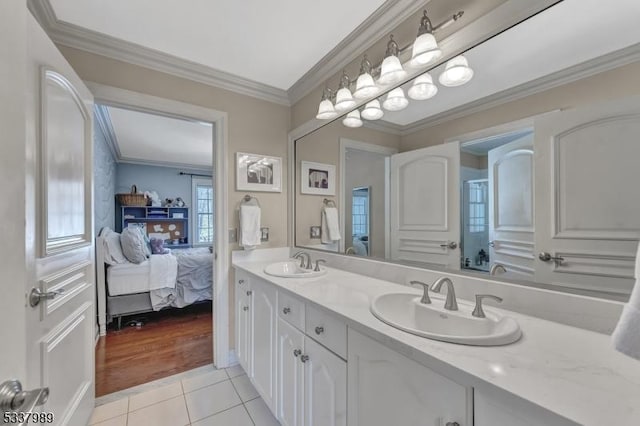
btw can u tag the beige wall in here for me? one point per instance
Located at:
(323, 146)
(609, 85)
(254, 126)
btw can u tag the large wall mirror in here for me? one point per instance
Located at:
(528, 172)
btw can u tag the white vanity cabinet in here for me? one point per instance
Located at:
(386, 388)
(312, 381)
(243, 313)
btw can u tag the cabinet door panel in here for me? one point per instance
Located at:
(243, 321)
(290, 375)
(325, 387)
(385, 388)
(263, 332)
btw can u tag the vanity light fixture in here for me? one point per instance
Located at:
(422, 88)
(372, 111)
(425, 47)
(395, 100)
(456, 72)
(391, 70)
(326, 111)
(365, 86)
(344, 98)
(353, 119)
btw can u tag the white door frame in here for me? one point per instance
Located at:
(114, 96)
(346, 144)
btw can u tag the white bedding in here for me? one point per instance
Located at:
(163, 270)
(128, 278)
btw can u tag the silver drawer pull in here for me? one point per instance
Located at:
(36, 296)
(297, 352)
(304, 358)
(286, 311)
(245, 308)
(452, 424)
(319, 330)
(240, 282)
(249, 292)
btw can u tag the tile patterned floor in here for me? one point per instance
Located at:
(206, 397)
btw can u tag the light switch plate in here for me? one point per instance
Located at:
(264, 234)
(233, 235)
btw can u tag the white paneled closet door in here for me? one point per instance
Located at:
(511, 207)
(588, 196)
(425, 205)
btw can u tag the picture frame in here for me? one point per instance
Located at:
(318, 178)
(255, 172)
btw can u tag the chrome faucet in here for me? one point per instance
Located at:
(497, 267)
(301, 255)
(450, 304)
(478, 312)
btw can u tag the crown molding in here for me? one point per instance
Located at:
(103, 120)
(189, 167)
(388, 16)
(384, 126)
(585, 69)
(74, 36)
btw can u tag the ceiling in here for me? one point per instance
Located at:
(483, 146)
(271, 42)
(567, 34)
(155, 139)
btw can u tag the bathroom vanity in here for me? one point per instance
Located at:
(318, 356)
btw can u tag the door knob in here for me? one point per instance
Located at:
(546, 257)
(450, 245)
(36, 296)
(13, 398)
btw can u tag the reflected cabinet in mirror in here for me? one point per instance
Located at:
(528, 172)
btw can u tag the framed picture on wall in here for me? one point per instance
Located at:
(256, 172)
(318, 178)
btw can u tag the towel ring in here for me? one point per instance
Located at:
(329, 203)
(249, 200)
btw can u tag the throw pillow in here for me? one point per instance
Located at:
(133, 245)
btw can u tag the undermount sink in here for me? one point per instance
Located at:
(405, 312)
(292, 269)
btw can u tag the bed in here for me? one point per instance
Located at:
(174, 280)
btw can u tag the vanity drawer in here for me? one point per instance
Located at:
(291, 310)
(327, 330)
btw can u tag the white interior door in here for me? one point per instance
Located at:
(511, 207)
(54, 338)
(425, 205)
(588, 196)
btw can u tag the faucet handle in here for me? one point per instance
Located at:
(425, 296)
(317, 269)
(478, 312)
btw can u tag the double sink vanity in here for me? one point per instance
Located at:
(324, 346)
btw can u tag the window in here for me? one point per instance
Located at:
(203, 223)
(360, 212)
(478, 195)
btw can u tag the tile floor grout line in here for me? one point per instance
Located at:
(186, 406)
(248, 413)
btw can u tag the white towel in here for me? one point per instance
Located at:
(250, 234)
(626, 337)
(330, 225)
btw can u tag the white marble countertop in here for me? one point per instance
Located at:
(569, 371)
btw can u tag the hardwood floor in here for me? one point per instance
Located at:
(169, 343)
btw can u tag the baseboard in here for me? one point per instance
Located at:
(233, 358)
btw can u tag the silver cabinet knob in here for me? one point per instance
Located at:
(240, 282)
(249, 292)
(319, 330)
(286, 311)
(36, 296)
(245, 308)
(304, 358)
(297, 352)
(452, 424)
(546, 257)
(450, 245)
